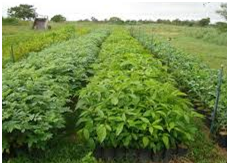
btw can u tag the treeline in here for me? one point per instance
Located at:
(222, 26)
(205, 22)
(12, 21)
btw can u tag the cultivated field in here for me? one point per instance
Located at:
(99, 92)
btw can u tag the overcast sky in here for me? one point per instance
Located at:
(75, 10)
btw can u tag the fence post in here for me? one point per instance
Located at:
(12, 53)
(53, 37)
(131, 30)
(214, 113)
(151, 44)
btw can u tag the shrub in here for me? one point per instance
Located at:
(10, 21)
(58, 18)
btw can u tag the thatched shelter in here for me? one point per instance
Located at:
(40, 23)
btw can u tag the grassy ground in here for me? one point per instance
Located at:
(212, 54)
(203, 149)
(22, 39)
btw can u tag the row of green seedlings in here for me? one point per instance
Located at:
(193, 76)
(17, 47)
(131, 101)
(35, 90)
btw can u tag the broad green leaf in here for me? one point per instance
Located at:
(127, 140)
(144, 119)
(108, 127)
(158, 127)
(161, 113)
(151, 130)
(156, 122)
(187, 118)
(101, 133)
(79, 104)
(114, 100)
(144, 126)
(100, 113)
(147, 113)
(86, 133)
(166, 141)
(119, 129)
(91, 144)
(124, 117)
(145, 141)
(188, 136)
(171, 125)
(135, 137)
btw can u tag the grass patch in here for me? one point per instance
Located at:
(203, 149)
(212, 54)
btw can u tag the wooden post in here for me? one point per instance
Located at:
(151, 44)
(53, 37)
(12, 53)
(214, 113)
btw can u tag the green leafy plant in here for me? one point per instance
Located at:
(191, 75)
(35, 90)
(131, 101)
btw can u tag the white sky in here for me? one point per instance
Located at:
(75, 10)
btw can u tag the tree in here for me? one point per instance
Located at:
(93, 19)
(23, 11)
(223, 10)
(204, 22)
(58, 18)
(116, 20)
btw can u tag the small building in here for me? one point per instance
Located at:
(40, 23)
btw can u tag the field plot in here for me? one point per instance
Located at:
(133, 91)
(114, 82)
(111, 95)
(192, 76)
(18, 44)
(205, 43)
(37, 89)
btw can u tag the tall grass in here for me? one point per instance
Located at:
(210, 35)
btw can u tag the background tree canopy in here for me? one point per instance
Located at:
(23, 11)
(58, 18)
(223, 10)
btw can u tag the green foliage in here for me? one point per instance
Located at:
(35, 90)
(221, 26)
(57, 151)
(61, 150)
(204, 22)
(10, 21)
(58, 18)
(131, 101)
(26, 43)
(223, 10)
(192, 76)
(204, 149)
(116, 20)
(23, 11)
